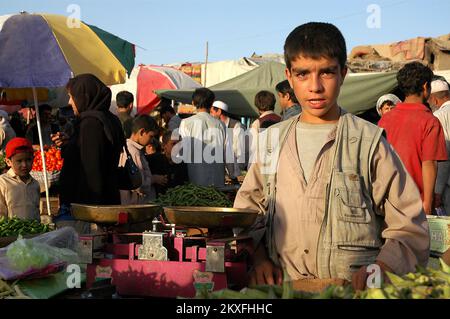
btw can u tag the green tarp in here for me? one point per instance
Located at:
(359, 92)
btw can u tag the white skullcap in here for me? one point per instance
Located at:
(438, 86)
(221, 105)
(387, 97)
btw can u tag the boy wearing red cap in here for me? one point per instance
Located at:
(19, 191)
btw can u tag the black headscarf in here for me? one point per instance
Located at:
(89, 93)
(93, 99)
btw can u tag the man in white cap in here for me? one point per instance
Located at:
(386, 103)
(439, 100)
(235, 140)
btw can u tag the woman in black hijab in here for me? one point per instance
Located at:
(91, 155)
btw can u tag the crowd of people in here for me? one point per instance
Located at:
(339, 193)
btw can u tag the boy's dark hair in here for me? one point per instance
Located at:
(146, 122)
(124, 98)
(390, 103)
(412, 77)
(203, 98)
(156, 144)
(285, 88)
(265, 101)
(315, 40)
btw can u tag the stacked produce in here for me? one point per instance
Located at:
(426, 283)
(16, 226)
(53, 160)
(194, 195)
(11, 291)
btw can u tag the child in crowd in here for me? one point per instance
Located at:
(143, 129)
(19, 191)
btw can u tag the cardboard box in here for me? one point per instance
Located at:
(439, 233)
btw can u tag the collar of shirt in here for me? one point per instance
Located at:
(227, 121)
(332, 134)
(135, 144)
(13, 175)
(446, 105)
(266, 113)
(412, 107)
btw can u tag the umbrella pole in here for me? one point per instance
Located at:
(44, 167)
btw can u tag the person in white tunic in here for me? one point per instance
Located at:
(203, 138)
(236, 142)
(440, 100)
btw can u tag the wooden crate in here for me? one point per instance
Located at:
(54, 206)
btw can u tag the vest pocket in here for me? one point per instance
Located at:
(351, 258)
(351, 205)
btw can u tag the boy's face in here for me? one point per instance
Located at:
(386, 107)
(316, 84)
(215, 112)
(145, 137)
(283, 99)
(21, 164)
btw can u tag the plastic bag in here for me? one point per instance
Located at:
(25, 255)
(29, 256)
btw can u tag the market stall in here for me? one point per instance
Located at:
(182, 248)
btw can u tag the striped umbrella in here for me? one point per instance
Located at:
(42, 50)
(145, 79)
(45, 50)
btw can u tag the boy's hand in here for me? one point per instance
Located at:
(264, 271)
(359, 278)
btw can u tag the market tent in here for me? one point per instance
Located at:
(218, 72)
(144, 80)
(358, 93)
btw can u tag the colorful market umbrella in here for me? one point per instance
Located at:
(42, 50)
(145, 79)
(45, 51)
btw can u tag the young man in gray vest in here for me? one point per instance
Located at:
(332, 195)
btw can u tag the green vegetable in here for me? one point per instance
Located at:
(426, 283)
(23, 255)
(3, 164)
(16, 226)
(194, 195)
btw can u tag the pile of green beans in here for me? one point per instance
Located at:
(194, 195)
(16, 226)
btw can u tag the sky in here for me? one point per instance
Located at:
(176, 31)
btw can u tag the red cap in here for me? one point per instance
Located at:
(18, 145)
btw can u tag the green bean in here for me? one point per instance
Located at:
(193, 195)
(16, 226)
